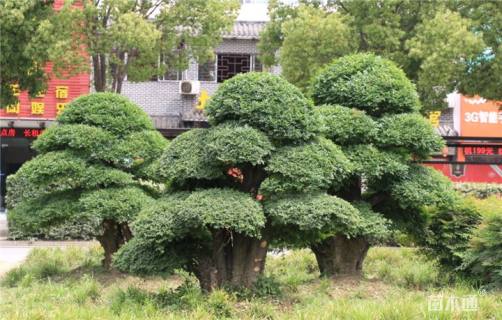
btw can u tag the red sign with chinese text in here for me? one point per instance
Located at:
(20, 132)
(483, 150)
(49, 104)
(52, 102)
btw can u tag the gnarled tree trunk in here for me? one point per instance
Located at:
(341, 256)
(236, 261)
(113, 237)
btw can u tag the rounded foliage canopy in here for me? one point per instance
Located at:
(312, 166)
(187, 158)
(119, 204)
(411, 132)
(171, 218)
(368, 83)
(111, 112)
(233, 144)
(93, 159)
(346, 126)
(265, 102)
(423, 186)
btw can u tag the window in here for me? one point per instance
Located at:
(170, 74)
(231, 64)
(228, 65)
(207, 71)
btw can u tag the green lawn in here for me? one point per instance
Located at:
(398, 284)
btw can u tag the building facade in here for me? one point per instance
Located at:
(472, 129)
(172, 110)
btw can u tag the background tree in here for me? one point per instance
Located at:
(311, 28)
(258, 175)
(125, 37)
(93, 163)
(372, 110)
(22, 55)
(437, 58)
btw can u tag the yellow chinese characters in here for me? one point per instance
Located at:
(61, 92)
(15, 90)
(60, 108)
(37, 108)
(201, 103)
(434, 118)
(13, 108)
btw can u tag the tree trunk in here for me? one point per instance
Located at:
(113, 237)
(99, 72)
(341, 256)
(236, 261)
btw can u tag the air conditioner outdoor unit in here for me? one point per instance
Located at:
(189, 87)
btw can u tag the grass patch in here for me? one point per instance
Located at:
(403, 267)
(68, 284)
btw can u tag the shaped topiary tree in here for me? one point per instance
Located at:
(370, 109)
(92, 164)
(259, 174)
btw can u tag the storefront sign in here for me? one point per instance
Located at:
(30, 133)
(480, 117)
(484, 150)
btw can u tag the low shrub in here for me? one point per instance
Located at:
(479, 190)
(448, 232)
(76, 228)
(483, 260)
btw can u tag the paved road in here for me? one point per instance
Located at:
(13, 253)
(12, 256)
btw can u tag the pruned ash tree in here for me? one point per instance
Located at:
(371, 110)
(258, 176)
(96, 163)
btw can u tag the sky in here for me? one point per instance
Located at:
(256, 11)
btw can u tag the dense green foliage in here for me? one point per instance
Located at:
(314, 166)
(423, 186)
(46, 214)
(259, 100)
(89, 166)
(411, 132)
(126, 37)
(233, 144)
(483, 259)
(316, 23)
(368, 83)
(370, 108)
(258, 173)
(23, 50)
(346, 126)
(442, 46)
(113, 113)
(448, 232)
(187, 158)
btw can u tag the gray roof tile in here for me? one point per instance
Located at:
(245, 30)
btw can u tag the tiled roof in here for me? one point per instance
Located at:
(245, 30)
